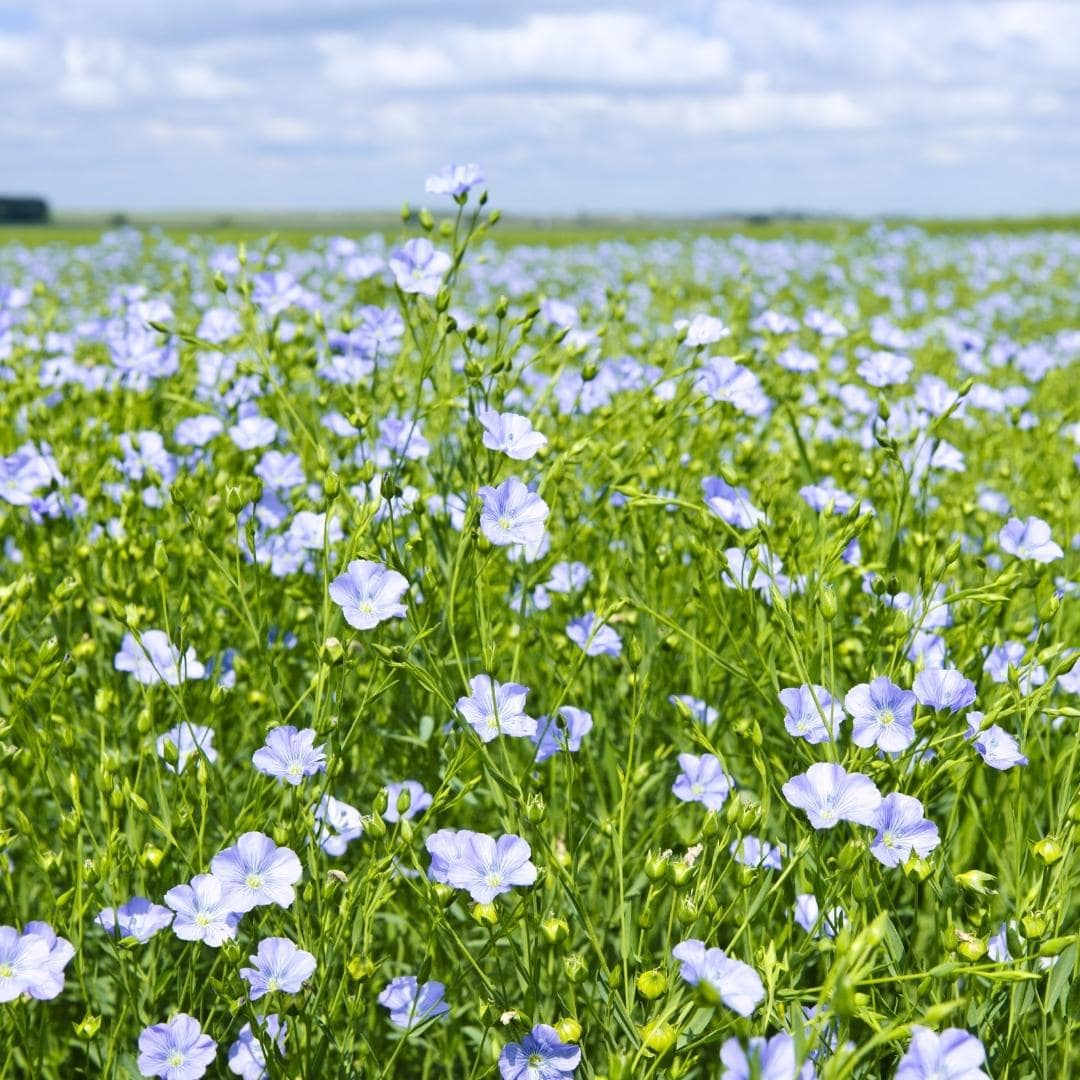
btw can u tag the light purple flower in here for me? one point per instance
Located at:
(511, 434)
(246, 1056)
(702, 780)
(454, 180)
(138, 918)
(994, 744)
(256, 871)
(807, 913)
(541, 1055)
(804, 719)
(881, 715)
(760, 854)
(24, 963)
(290, 755)
(253, 431)
(491, 867)
(447, 848)
(153, 658)
(512, 514)
(201, 911)
(882, 369)
(550, 738)
(944, 688)
(730, 503)
(411, 1004)
(368, 593)
(188, 740)
(720, 977)
(177, 1050)
(50, 983)
(339, 824)
(594, 640)
(828, 794)
(1029, 539)
(495, 708)
(901, 830)
(418, 267)
(702, 330)
(763, 1059)
(826, 495)
(953, 1055)
(277, 966)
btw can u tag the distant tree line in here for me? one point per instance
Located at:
(23, 210)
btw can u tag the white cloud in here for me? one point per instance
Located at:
(200, 82)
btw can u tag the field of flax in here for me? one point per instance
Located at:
(424, 657)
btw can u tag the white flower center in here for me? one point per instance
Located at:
(176, 1059)
(504, 523)
(5, 971)
(254, 881)
(493, 879)
(886, 717)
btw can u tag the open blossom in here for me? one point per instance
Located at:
(511, 434)
(882, 715)
(953, 1055)
(138, 918)
(901, 830)
(256, 871)
(1029, 539)
(702, 330)
(482, 865)
(277, 966)
(185, 741)
(512, 514)
(418, 267)
(177, 1050)
(550, 738)
(730, 503)
(593, 639)
(49, 982)
(419, 800)
(541, 1055)
(702, 780)
(153, 658)
(811, 713)
(721, 977)
(495, 708)
(368, 593)
(807, 912)
(24, 963)
(201, 911)
(994, 744)
(828, 794)
(454, 180)
(410, 1003)
(290, 755)
(247, 1059)
(339, 824)
(763, 1059)
(944, 688)
(760, 854)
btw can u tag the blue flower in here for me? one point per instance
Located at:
(720, 977)
(153, 658)
(455, 180)
(541, 1055)
(201, 912)
(811, 713)
(550, 738)
(177, 1050)
(418, 267)
(826, 496)
(594, 640)
(511, 434)
(410, 1003)
(246, 1056)
(995, 746)
(953, 1055)
(702, 780)
(732, 504)
(512, 514)
(290, 755)
(1029, 540)
(807, 913)
(24, 962)
(339, 824)
(277, 966)
(495, 708)
(138, 918)
(419, 800)
(368, 593)
(760, 854)
(484, 866)
(901, 830)
(828, 794)
(702, 330)
(49, 983)
(187, 740)
(881, 715)
(255, 872)
(944, 688)
(763, 1059)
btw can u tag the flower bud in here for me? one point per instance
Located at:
(686, 911)
(651, 984)
(1048, 850)
(1056, 945)
(380, 802)
(1034, 923)
(679, 873)
(568, 1029)
(976, 881)
(535, 808)
(161, 557)
(427, 222)
(485, 913)
(971, 947)
(659, 1036)
(332, 652)
(656, 863)
(331, 485)
(88, 1026)
(577, 970)
(375, 826)
(555, 929)
(827, 602)
(403, 801)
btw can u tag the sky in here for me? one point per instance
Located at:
(681, 107)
